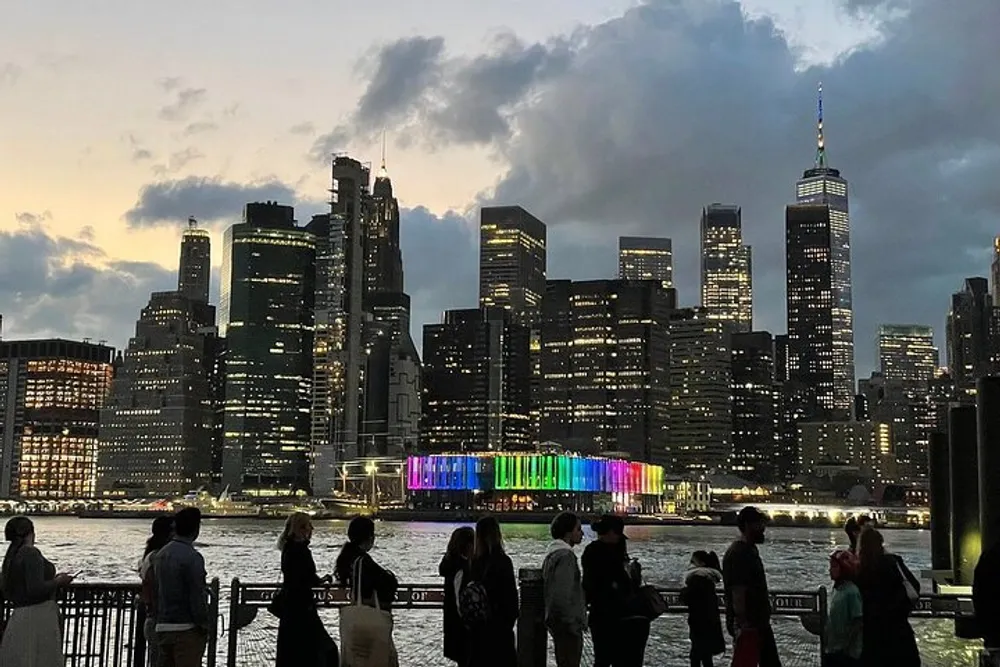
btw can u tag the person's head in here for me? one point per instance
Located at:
(187, 523)
(462, 542)
(708, 559)
(871, 548)
(489, 539)
(19, 530)
(843, 566)
(852, 529)
(866, 522)
(752, 524)
(298, 528)
(361, 533)
(160, 533)
(567, 527)
(610, 529)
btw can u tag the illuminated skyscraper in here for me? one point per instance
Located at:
(267, 318)
(995, 272)
(644, 258)
(512, 262)
(196, 263)
(907, 354)
(726, 270)
(972, 339)
(51, 395)
(818, 272)
(756, 403)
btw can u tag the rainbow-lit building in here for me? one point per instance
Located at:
(533, 481)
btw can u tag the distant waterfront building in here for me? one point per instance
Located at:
(512, 262)
(646, 258)
(818, 271)
(756, 402)
(51, 395)
(605, 353)
(907, 353)
(726, 267)
(476, 383)
(972, 339)
(266, 315)
(158, 424)
(194, 274)
(700, 415)
(865, 445)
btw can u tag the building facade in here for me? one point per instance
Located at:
(971, 335)
(604, 367)
(700, 415)
(756, 402)
(476, 383)
(267, 319)
(726, 267)
(51, 395)
(866, 446)
(512, 262)
(907, 353)
(195, 267)
(646, 258)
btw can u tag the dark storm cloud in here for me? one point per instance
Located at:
(208, 199)
(186, 101)
(398, 75)
(49, 287)
(677, 104)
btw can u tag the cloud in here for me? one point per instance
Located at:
(9, 74)
(170, 202)
(141, 155)
(641, 121)
(186, 101)
(30, 219)
(200, 127)
(178, 161)
(305, 129)
(170, 83)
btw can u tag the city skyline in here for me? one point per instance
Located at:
(84, 259)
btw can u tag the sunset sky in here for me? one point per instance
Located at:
(119, 118)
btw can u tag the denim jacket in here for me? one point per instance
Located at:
(181, 592)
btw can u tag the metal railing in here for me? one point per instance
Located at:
(102, 624)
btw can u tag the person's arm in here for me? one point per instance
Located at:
(737, 581)
(508, 587)
(591, 578)
(36, 586)
(383, 581)
(198, 591)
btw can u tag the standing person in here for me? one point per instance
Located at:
(493, 643)
(302, 638)
(182, 622)
(611, 581)
(32, 637)
(887, 637)
(853, 530)
(565, 605)
(748, 606)
(161, 533)
(844, 621)
(455, 568)
(704, 621)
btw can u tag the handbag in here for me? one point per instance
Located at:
(365, 630)
(647, 603)
(912, 592)
(277, 605)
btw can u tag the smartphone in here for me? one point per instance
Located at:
(76, 574)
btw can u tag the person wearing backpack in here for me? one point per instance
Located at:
(565, 606)
(488, 602)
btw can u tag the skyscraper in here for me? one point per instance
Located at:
(51, 395)
(700, 422)
(476, 383)
(158, 424)
(512, 262)
(995, 272)
(818, 270)
(972, 339)
(267, 318)
(604, 366)
(726, 278)
(195, 269)
(645, 258)
(756, 401)
(907, 353)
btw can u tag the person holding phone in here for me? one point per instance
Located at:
(30, 584)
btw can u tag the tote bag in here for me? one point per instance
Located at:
(365, 631)
(746, 649)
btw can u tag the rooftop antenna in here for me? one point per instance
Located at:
(820, 143)
(192, 223)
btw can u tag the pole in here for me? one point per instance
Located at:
(965, 536)
(532, 637)
(940, 474)
(988, 417)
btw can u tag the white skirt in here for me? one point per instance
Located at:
(32, 637)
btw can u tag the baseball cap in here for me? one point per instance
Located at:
(609, 523)
(750, 514)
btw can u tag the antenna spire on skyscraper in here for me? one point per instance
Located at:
(383, 171)
(820, 144)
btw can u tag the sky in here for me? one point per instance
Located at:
(119, 119)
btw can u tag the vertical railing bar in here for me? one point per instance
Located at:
(234, 607)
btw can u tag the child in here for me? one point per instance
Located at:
(704, 620)
(843, 626)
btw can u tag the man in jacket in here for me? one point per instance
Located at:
(565, 606)
(182, 623)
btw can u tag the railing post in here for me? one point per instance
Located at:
(531, 634)
(234, 607)
(824, 611)
(213, 614)
(139, 641)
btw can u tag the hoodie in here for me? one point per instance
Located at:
(565, 606)
(704, 619)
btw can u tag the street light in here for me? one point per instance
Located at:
(372, 469)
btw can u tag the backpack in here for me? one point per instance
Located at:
(474, 604)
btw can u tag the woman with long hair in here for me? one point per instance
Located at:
(887, 638)
(161, 532)
(455, 569)
(302, 638)
(492, 643)
(29, 582)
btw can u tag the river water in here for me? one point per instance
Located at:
(795, 558)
